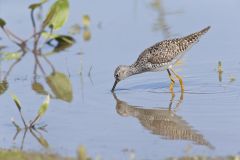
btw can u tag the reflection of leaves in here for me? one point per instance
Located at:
(60, 86)
(10, 55)
(3, 86)
(36, 5)
(2, 23)
(43, 142)
(74, 29)
(43, 108)
(40, 139)
(86, 21)
(86, 35)
(17, 102)
(57, 15)
(39, 88)
(86, 32)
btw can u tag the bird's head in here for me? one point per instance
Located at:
(120, 73)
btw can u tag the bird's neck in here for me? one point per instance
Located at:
(133, 69)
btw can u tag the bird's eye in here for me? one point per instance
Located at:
(116, 75)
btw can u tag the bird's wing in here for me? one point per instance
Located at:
(165, 51)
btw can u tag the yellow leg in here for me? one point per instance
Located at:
(180, 80)
(172, 83)
(171, 101)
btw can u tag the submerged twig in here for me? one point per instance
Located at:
(16, 125)
(33, 22)
(40, 66)
(23, 119)
(34, 121)
(23, 139)
(51, 65)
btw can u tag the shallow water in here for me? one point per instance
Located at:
(204, 120)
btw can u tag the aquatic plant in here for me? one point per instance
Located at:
(44, 32)
(32, 125)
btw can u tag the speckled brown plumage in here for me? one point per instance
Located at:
(166, 53)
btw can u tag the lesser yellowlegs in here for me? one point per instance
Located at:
(159, 57)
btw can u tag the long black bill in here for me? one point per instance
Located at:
(114, 85)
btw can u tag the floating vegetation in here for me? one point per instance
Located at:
(231, 78)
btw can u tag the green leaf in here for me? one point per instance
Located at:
(43, 108)
(10, 55)
(57, 15)
(63, 41)
(60, 86)
(36, 5)
(65, 38)
(2, 23)
(47, 35)
(17, 102)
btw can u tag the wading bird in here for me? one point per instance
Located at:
(159, 57)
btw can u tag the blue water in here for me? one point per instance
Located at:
(120, 31)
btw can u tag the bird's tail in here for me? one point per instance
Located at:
(193, 38)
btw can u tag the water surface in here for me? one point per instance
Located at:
(204, 120)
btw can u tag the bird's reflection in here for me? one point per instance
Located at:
(163, 122)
